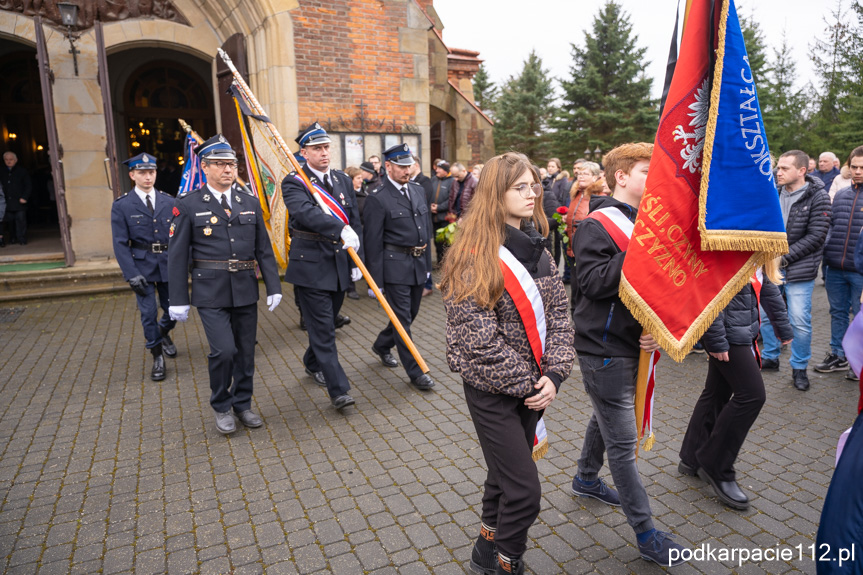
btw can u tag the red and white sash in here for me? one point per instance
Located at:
(333, 207)
(619, 228)
(528, 302)
(757, 283)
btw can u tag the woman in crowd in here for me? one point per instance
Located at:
(734, 391)
(477, 170)
(508, 382)
(356, 176)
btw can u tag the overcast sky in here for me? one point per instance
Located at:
(505, 31)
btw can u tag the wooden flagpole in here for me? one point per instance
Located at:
(256, 107)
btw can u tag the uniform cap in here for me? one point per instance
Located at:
(400, 155)
(143, 161)
(216, 148)
(314, 135)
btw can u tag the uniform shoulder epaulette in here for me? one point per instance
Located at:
(292, 173)
(165, 193)
(121, 196)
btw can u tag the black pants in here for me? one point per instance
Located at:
(17, 225)
(732, 398)
(231, 333)
(405, 301)
(440, 247)
(320, 308)
(511, 496)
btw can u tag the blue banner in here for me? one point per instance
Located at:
(193, 177)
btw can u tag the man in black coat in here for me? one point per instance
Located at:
(139, 227)
(397, 241)
(16, 187)
(439, 205)
(221, 233)
(318, 264)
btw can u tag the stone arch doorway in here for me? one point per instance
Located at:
(22, 121)
(442, 135)
(151, 88)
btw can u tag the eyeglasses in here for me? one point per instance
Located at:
(524, 190)
(224, 165)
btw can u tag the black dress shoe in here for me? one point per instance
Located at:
(423, 382)
(353, 294)
(225, 422)
(769, 364)
(168, 345)
(342, 320)
(158, 372)
(387, 359)
(317, 377)
(727, 491)
(302, 323)
(249, 418)
(800, 379)
(342, 401)
(686, 469)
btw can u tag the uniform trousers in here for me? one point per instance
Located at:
(149, 309)
(730, 403)
(405, 301)
(320, 308)
(511, 495)
(231, 333)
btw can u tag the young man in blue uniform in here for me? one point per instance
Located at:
(139, 226)
(397, 225)
(318, 265)
(220, 231)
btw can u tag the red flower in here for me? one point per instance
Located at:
(175, 211)
(562, 210)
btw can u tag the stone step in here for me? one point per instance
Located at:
(85, 278)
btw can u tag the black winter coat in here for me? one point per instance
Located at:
(845, 224)
(807, 227)
(738, 323)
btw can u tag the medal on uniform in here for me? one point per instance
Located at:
(214, 220)
(206, 197)
(208, 230)
(171, 231)
(238, 200)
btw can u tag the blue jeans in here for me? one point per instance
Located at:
(843, 293)
(798, 296)
(610, 383)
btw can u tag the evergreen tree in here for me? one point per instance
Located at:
(606, 100)
(484, 91)
(523, 111)
(848, 130)
(756, 47)
(784, 109)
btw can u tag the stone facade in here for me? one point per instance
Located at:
(370, 68)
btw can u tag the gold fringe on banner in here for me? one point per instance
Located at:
(649, 442)
(540, 450)
(677, 349)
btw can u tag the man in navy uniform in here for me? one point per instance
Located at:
(318, 265)
(397, 236)
(139, 226)
(221, 233)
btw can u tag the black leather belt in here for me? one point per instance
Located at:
(415, 251)
(311, 236)
(156, 248)
(230, 265)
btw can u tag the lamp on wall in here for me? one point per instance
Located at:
(597, 155)
(587, 153)
(69, 17)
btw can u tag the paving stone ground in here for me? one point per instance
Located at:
(104, 471)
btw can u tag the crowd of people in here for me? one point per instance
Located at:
(512, 330)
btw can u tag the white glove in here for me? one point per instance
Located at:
(372, 294)
(179, 312)
(356, 274)
(350, 237)
(428, 275)
(273, 301)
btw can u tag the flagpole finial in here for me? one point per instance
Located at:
(186, 127)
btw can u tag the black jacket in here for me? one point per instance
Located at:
(440, 196)
(603, 325)
(16, 186)
(846, 220)
(807, 226)
(426, 184)
(738, 323)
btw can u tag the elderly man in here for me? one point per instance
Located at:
(16, 187)
(463, 187)
(828, 168)
(219, 233)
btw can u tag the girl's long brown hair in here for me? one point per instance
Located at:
(471, 267)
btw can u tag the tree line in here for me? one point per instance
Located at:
(606, 99)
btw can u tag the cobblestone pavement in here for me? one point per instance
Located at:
(102, 470)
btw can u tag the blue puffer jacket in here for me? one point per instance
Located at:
(845, 225)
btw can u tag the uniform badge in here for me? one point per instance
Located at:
(208, 230)
(342, 196)
(206, 197)
(238, 200)
(171, 231)
(175, 211)
(214, 220)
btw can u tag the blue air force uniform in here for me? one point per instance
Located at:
(221, 250)
(140, 238)
(318, 266)
(397, 235)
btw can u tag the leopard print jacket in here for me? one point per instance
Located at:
(490, 348)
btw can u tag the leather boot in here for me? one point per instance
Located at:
(509, 565)
(167, 343)
(158, 372)
(483, 559)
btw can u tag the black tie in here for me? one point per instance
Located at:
(327, 184)
(224, 203)
(150, 205)
(404, 192)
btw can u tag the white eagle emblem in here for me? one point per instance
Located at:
(691, 152)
